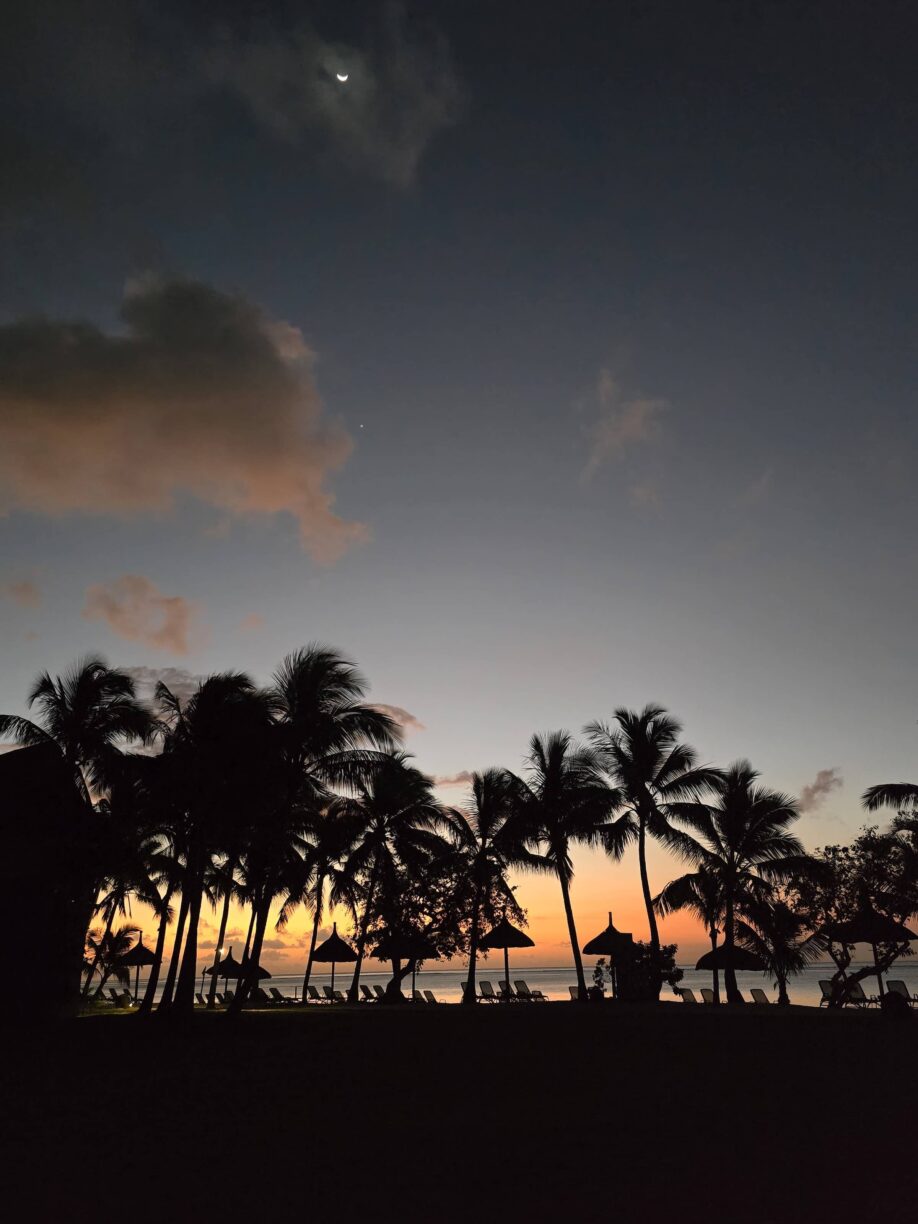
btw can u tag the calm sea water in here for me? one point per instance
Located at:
(554, 982)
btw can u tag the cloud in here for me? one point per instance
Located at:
(646, 495)
(253, 622)
(462, 778)
(620, 425)
(133, 608)
(406, 721)
(816, 792)
(401, 91)
(202, 394)
(758, 490)
(25, 593)
(181, 682)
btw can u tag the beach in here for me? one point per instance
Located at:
(531, 1112)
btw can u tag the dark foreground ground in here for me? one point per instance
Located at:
(523, 1113)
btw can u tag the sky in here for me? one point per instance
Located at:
(562, 358)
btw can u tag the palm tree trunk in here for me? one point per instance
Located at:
(645, 886)
(783, 996)
(153, 981)
(362, 934)
(733, 994)
(211, 994)
(572, 932)
(315, 934)
(99, 946)
(188, 973)
(469, 996)
(261, 912)
(248, 936)
(716, 972)
(165, 1001)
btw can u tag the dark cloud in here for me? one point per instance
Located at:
(401, 91)
(816, 792)
(204, 394)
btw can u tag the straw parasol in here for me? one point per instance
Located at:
(260, 972)
(334, 950)
(612, 943)
(405, 945)
(226, 968)
(739, 958)
(139, 956)
(505, 935)
(869, 926)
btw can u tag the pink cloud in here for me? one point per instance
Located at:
(24, 593)
(253, 622)
(620, 425)
(406, 721)
(135, 610)
(462, 778)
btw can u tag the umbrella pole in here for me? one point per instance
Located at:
(876, 965)
(136, 982)
(414, 973)
(333, 981)
(507, 972)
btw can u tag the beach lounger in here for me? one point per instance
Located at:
(330, 994)
(531, 996)
(898, 987)
(575, 994)
(219, 997)
(314, 996)
(506, 992)
(686, 995)
(260, 996)
(826, 988)
(854, 995)
(278, 997)
(378, 991)
(487, 992)
(368, 995)
(417, 997)
(200, 1000)
(707, 994)
(114, 995)
(430, 996)
(759, 995)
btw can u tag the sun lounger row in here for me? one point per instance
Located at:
(854, 996)
(521, 993)
(707, 994)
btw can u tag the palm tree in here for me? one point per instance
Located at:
(742, 840)
(486, 838)
(902, 797)
(562, 802)
(400, 825)
(701, 893)
(89, 713)
(782, 937)
(108, 950)
(649, 769)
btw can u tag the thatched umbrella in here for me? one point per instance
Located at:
(735, 958)
(226, 968)
(138, 956)
(505, 935)
(334, 950)
(612, 943)
(405, 945)
(869, 926)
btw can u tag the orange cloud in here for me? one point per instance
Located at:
(203, 395)
(462, 778)
(25, 593)
(253, 622)
(406, 721)
(620, 424)
(133, 608)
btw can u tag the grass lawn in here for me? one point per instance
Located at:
(520, 1113)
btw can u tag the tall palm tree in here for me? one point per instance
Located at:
(108, 950)
(742, 838)
(649, 769)
(401, 826)
(701, 894)
(782, 937)
(562, 802)
(487, 840)
(89, 713)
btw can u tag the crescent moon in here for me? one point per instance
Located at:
(341, 77)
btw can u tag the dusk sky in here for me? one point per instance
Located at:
(561, 358)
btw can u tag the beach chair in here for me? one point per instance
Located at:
(531, 996)
(114, 996)
(200, 1000)
(575, 994)
(430, 996)
(487, 992)
(219, 997)
(826, 988)
(368, 995)
(506, 991)
(278, 997)
(417, 997)
(854, 995)
(707, 994)
(314, 996)
(378, 991)
(259, 995)
(330, 994)
(898, 987)
(759, 995)
(686, 995)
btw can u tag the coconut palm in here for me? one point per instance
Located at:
(649, 769)
(562, 802)
(487, 840)
(89, 713)
(108, 949)
(401, 826)
(902, 797)
(741, 838)
(701, 894)
(782, 937)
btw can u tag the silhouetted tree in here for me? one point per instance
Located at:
(701, 894)
(783, 937)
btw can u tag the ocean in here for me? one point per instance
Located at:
(554, 981)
